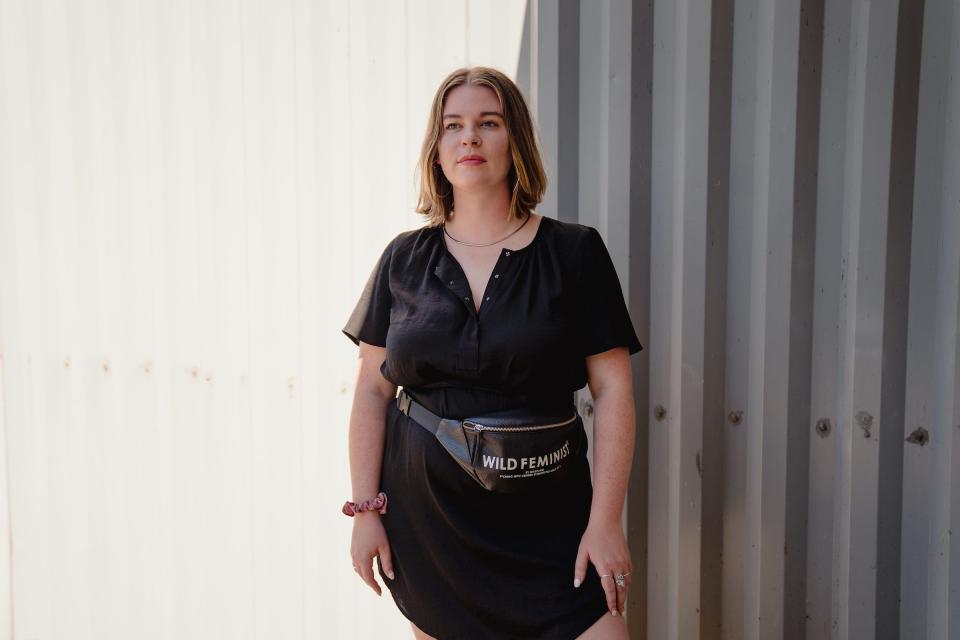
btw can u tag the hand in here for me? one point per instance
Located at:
(370, 539)
(605, 546)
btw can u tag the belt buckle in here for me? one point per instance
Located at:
(403, 402)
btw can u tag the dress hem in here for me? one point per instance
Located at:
(577, 632)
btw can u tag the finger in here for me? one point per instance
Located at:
(580, 567)
(622, 591)
(622, 595)
(366, 573)
(610, 589)
(386, 561)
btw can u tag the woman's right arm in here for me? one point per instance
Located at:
(368, 417)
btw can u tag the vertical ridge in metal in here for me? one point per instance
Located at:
(681, 102)
(862, 315)
(944, 550)
(768, 379)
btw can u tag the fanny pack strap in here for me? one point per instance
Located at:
(417, 412)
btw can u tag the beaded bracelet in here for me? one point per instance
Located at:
(374, 504)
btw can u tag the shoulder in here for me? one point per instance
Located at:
(570, 229)
(573, 238)
(412, 246)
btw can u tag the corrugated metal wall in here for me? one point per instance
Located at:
(779, 185)
(192, 195)
(779, 182)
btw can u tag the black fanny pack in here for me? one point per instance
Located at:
(508, 451)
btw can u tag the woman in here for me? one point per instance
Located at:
(491, 309)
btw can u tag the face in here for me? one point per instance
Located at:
(474, 147)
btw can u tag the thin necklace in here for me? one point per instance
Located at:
(485, 244)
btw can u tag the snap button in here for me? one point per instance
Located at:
(451, 282)
(496, 275)
(508, 253)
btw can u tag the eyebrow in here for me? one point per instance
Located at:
(485, 113)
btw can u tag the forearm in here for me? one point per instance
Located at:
(614, 429)
(365, 440)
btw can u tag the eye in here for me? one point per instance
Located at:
(452, 125)
(489, 122)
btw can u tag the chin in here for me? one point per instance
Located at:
(475, 185)
(480, 182)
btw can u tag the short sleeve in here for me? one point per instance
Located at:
(370, 319)
(603, 319)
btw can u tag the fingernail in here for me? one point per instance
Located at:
(576, 583)
(390, 574)
(614, 612)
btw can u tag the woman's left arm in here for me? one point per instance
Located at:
(603, 543)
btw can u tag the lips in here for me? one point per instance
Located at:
(471, 159)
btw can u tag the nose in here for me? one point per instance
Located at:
(470, 138)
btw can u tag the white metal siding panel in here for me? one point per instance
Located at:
(191, 197)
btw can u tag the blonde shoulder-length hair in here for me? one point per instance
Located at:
(526, 178)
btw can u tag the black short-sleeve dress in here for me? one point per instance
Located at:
(469, 563)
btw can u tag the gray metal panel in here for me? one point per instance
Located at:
(551, 43)
(638, 293)
(806, 175)
(741, 179)
(795, 170)
(603, 168)
(944, 552)
(824, 378)
(568, 116)
(861, 427)
(661, 565)
(715, 327)
(591, 123)
(903, 144)
(540, 81)
(604, 198)
(768, 369)
(662, 538)
(681, 63)
(919, 452)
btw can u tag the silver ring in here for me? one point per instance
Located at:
(606, 575)
(620, 579)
